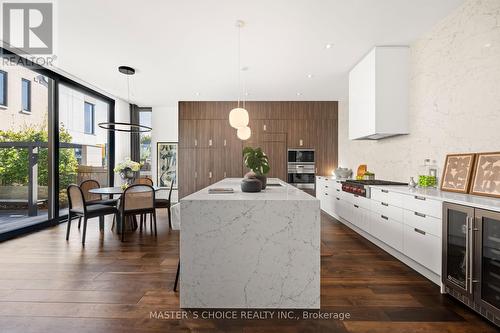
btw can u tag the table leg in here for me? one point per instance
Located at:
(101, 223)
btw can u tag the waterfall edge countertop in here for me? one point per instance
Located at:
(250, 250)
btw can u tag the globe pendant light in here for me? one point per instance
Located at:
(238, 117)
(244, 133)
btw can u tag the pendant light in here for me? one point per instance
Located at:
(244, 133)
(238, 117)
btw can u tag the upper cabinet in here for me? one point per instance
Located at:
(378, 94)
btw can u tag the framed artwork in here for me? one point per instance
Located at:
(166, 164)
(486, 179)
(457, 172)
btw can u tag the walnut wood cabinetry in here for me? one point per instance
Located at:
(209, 149)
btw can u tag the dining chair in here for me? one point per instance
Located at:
(176, 225)
(144, 181)
(138, 199)
(166, 203)
(92, 198)
(78, 207)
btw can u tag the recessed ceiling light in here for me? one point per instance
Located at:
(299, 94)
(487, 45)
(328, 46)
(246, 93)
(310, 76)
(197, 93)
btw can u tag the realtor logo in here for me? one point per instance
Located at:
(28, 27)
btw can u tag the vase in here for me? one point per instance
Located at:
(127, 175)
(251, 185)
(263, 180)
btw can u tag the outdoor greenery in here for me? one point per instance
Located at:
(256, 160)
(14, 161)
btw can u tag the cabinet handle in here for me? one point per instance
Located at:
(419, 198)
(195, 142)
(210, 142)
(225, 142)
(384, 217)
(419, 214)
(326, 193)
(419, 231)
(195, 174)
(356, 196)
(356, 206)
(384, 191)
(384, 204)
(224, 174)
(326, 186)
(210, 174)
(264, 127)
(337, 198)
(301, 142)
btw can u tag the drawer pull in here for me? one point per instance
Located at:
(419, 198)
(419, 214)
(384, 217)
(326, 193)
(337, 198)
(384, 191)
(384, 204)
(419, 231)
(356, 196)
(326, 186)
(356, 206)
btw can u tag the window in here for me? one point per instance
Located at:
(3, 88)
(89, 118)
(26, 95)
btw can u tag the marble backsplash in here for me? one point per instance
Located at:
(454, 97)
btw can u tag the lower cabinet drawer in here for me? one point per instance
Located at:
(423, 222)
(423, 205)
(361, 202)
(385, 209)
(387, 230)
(422, 247)
(360, 217)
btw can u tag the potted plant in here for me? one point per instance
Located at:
(126, 169)
(256, 160)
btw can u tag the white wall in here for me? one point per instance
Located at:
(165, 121)
(122, 139)
(454, 97)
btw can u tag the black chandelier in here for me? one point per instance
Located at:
(122, 126)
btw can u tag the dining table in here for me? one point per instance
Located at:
(130, 223)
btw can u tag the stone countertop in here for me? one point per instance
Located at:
(285, 192)
(457, 198)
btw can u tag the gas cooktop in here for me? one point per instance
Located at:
(362, 187)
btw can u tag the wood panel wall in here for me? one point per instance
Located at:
(210, 151)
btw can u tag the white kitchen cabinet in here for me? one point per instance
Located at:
(423, 205)
(387, 230)
(378, 94)
(423, 247)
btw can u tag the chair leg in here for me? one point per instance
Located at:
(141, 220)
(84, 230)
(79, 222)
(154, 218)
(123, 226)
(177, 275)
(169, 217)
(151, 223)
(69, 226)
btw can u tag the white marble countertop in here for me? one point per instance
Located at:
(285, 192)
(457, 198)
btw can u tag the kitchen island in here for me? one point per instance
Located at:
(250, 250)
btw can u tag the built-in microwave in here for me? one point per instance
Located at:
(301, 156)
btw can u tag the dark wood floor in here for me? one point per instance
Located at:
(49, 285)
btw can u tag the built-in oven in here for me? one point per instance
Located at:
(300, 156)
(301, 168)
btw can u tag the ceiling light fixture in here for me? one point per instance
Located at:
(238, 117)
(244, 133)
(124, 126)
(310, 76)
(328, 46)
(299, 94)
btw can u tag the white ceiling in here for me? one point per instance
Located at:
(184, 47)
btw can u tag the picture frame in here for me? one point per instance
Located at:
(166, 164)
(486, 178)
(457, 172)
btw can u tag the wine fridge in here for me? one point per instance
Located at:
(471, 258)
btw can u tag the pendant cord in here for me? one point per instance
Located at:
(239, 65)
(128, 88)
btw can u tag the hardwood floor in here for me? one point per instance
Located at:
(50, 285)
